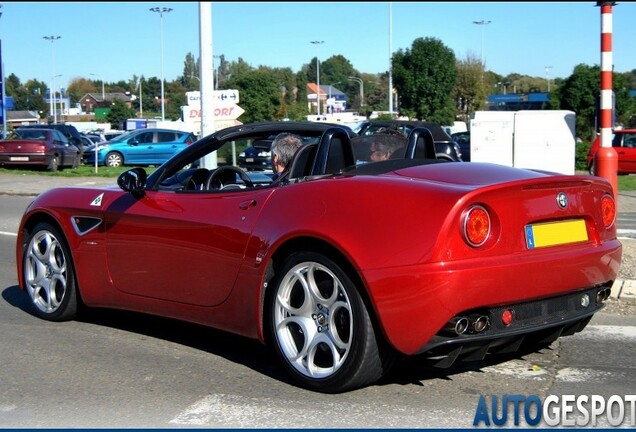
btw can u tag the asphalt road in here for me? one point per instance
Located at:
(114, 369)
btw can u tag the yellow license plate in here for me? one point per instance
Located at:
(555, 233)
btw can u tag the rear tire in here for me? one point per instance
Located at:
(54, 164)
(320, 327)
(592, 168)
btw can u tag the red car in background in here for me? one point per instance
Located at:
(344, 264)
(47, 148)
(624, 142)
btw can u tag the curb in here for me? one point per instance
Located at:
(624, 290)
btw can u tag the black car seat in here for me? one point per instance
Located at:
(334, 152)
(303, 161)
(420, 144)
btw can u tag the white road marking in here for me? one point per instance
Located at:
(8, 233)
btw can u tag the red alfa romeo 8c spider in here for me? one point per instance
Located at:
(342, 265)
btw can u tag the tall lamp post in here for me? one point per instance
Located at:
(359, 81)
(141, 98)
(482, 23)
(161, 11)
(317, 42)
(54, 97)
(547, 76)
(52, 88)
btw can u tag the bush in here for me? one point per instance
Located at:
(582, 149)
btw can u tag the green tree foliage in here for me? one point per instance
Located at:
(81, 86)
(470, 93)
(174, 92)
(579, 93)
(425, 77)
(260, 95)
(118, 113)
(431, 84)
(27, 97)
(190, 78)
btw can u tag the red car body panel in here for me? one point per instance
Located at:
(203, 257)
(624, 142)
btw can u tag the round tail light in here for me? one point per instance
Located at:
(608, 207)
(476, 226)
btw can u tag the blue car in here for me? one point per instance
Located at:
(139, 147)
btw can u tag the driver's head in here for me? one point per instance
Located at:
(283, 148)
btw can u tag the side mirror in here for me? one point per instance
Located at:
(133, 181)
(133, 142)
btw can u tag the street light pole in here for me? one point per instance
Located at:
(316, 42)
(161, 11)
(483, 24)
(52, 88)
(359, 81)
(100, 78)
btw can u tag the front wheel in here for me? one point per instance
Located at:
(49, 275)
(320, 326)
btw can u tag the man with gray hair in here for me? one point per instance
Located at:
(283, 148)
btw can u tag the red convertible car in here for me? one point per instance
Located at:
(343, 265)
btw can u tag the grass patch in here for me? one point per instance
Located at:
(81, 171)
(627, 182)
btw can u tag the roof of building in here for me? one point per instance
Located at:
(108, 97)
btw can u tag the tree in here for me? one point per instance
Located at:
(259, 95)
(190, 78)
(80, 86)
(469, 94)
(118, 113)
(579, 93)
(425, 77)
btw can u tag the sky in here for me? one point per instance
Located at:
(113, 41)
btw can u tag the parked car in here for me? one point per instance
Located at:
(46, 148)
(446, 148)
(341, 267)
(69, 131)
(624, 142)
(463, 140)
(257, 156)
(139, 147)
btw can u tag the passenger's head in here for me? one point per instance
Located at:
(283, 148)
(385, 143)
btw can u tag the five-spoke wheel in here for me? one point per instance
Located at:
(320, 326)
(49, 274)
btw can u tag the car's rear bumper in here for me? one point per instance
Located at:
(413, 305)
(534, 323)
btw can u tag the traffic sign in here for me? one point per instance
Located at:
(225, 96)
(222, 111)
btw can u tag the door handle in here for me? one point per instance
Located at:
(245, 205)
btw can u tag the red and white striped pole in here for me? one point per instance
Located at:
(606, 157)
